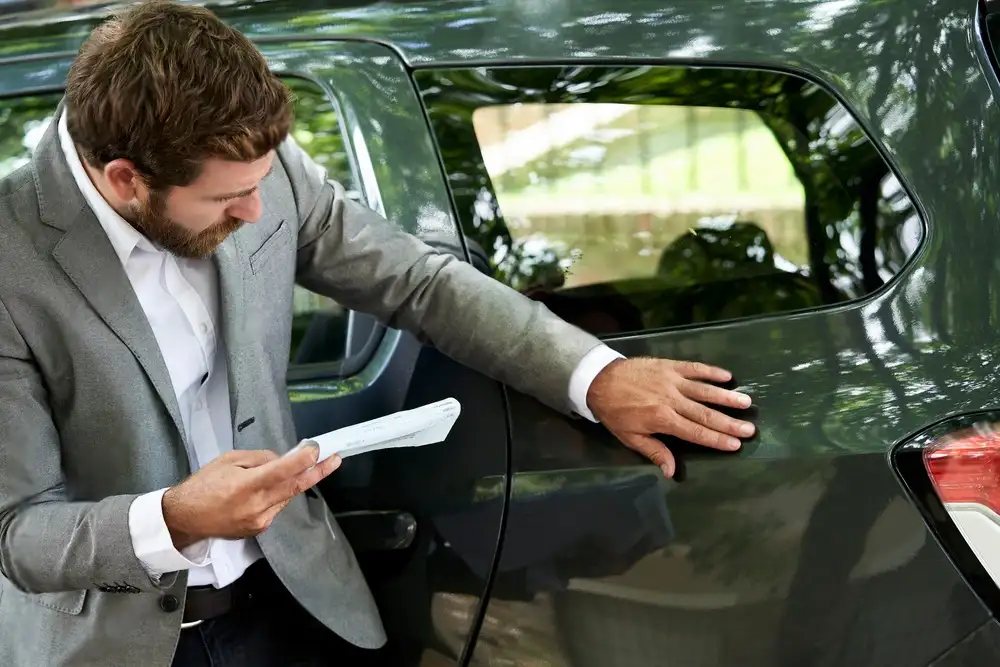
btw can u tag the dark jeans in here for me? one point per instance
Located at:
(271, 631)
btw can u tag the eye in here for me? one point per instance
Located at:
(238, 195)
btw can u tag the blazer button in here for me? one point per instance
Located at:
(170, 603)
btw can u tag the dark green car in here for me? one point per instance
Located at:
(806, 192)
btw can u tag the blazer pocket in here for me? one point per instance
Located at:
(278, 238)
(69, 602)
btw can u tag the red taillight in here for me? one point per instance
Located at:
(961, 459)
(965, 468)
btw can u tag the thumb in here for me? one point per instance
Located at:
(652, 449)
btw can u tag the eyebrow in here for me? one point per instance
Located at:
(244, 193)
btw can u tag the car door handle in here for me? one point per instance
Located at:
(378, 530)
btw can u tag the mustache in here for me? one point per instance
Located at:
(225, 227)
(152, 221)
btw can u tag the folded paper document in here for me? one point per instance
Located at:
(409, 428)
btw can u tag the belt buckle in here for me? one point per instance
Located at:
(191, 624)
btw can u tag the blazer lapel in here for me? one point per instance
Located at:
(228, 259)
(86, 255)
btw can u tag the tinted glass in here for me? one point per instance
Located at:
(319, 330)
(319, 325)
(611, 186)
(630, 199)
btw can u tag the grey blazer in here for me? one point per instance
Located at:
(88, 418)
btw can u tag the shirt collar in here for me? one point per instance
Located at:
(123, 236)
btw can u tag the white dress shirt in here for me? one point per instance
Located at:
(180, 298)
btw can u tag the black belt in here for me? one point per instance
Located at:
(206, 602)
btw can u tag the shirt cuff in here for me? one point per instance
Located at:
(151, 539)
(583, 375)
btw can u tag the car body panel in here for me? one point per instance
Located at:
(802, 549)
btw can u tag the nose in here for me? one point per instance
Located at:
(247, 208)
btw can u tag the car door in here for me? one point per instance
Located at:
(739, 216)
(357, 115)
(401, 507)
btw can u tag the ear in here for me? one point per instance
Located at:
(123, 179)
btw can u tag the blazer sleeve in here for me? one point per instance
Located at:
(48, 542)
(364, 262)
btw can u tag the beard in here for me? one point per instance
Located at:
(151, 220)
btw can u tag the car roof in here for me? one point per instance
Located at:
(444, 32)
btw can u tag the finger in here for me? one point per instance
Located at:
(707, 393)
(713, 419)
(316, 474)
(284, 468)
(680, 426)
(281, 495)
(267, 516)
(248, 458)
(304, 480)
(652, 449)
(693, 370)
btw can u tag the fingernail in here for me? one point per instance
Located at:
(743, 400)
(733, 443)
(667, 470)
(746, 430)
(304, 444)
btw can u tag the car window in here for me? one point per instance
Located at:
(321, 328)
(637, 198)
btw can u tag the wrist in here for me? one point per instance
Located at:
(174, 516)
(597, 392)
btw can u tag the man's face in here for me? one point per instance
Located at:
(192, 221)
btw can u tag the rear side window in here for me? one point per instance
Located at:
(637, 198)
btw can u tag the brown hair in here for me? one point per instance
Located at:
(167, 86)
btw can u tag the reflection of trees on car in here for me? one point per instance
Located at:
(22, 121)
(317, 320)
(725, 273)
(856, 234)
(317, 130)
(827, 157)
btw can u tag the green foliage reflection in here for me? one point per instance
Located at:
(684, 196)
